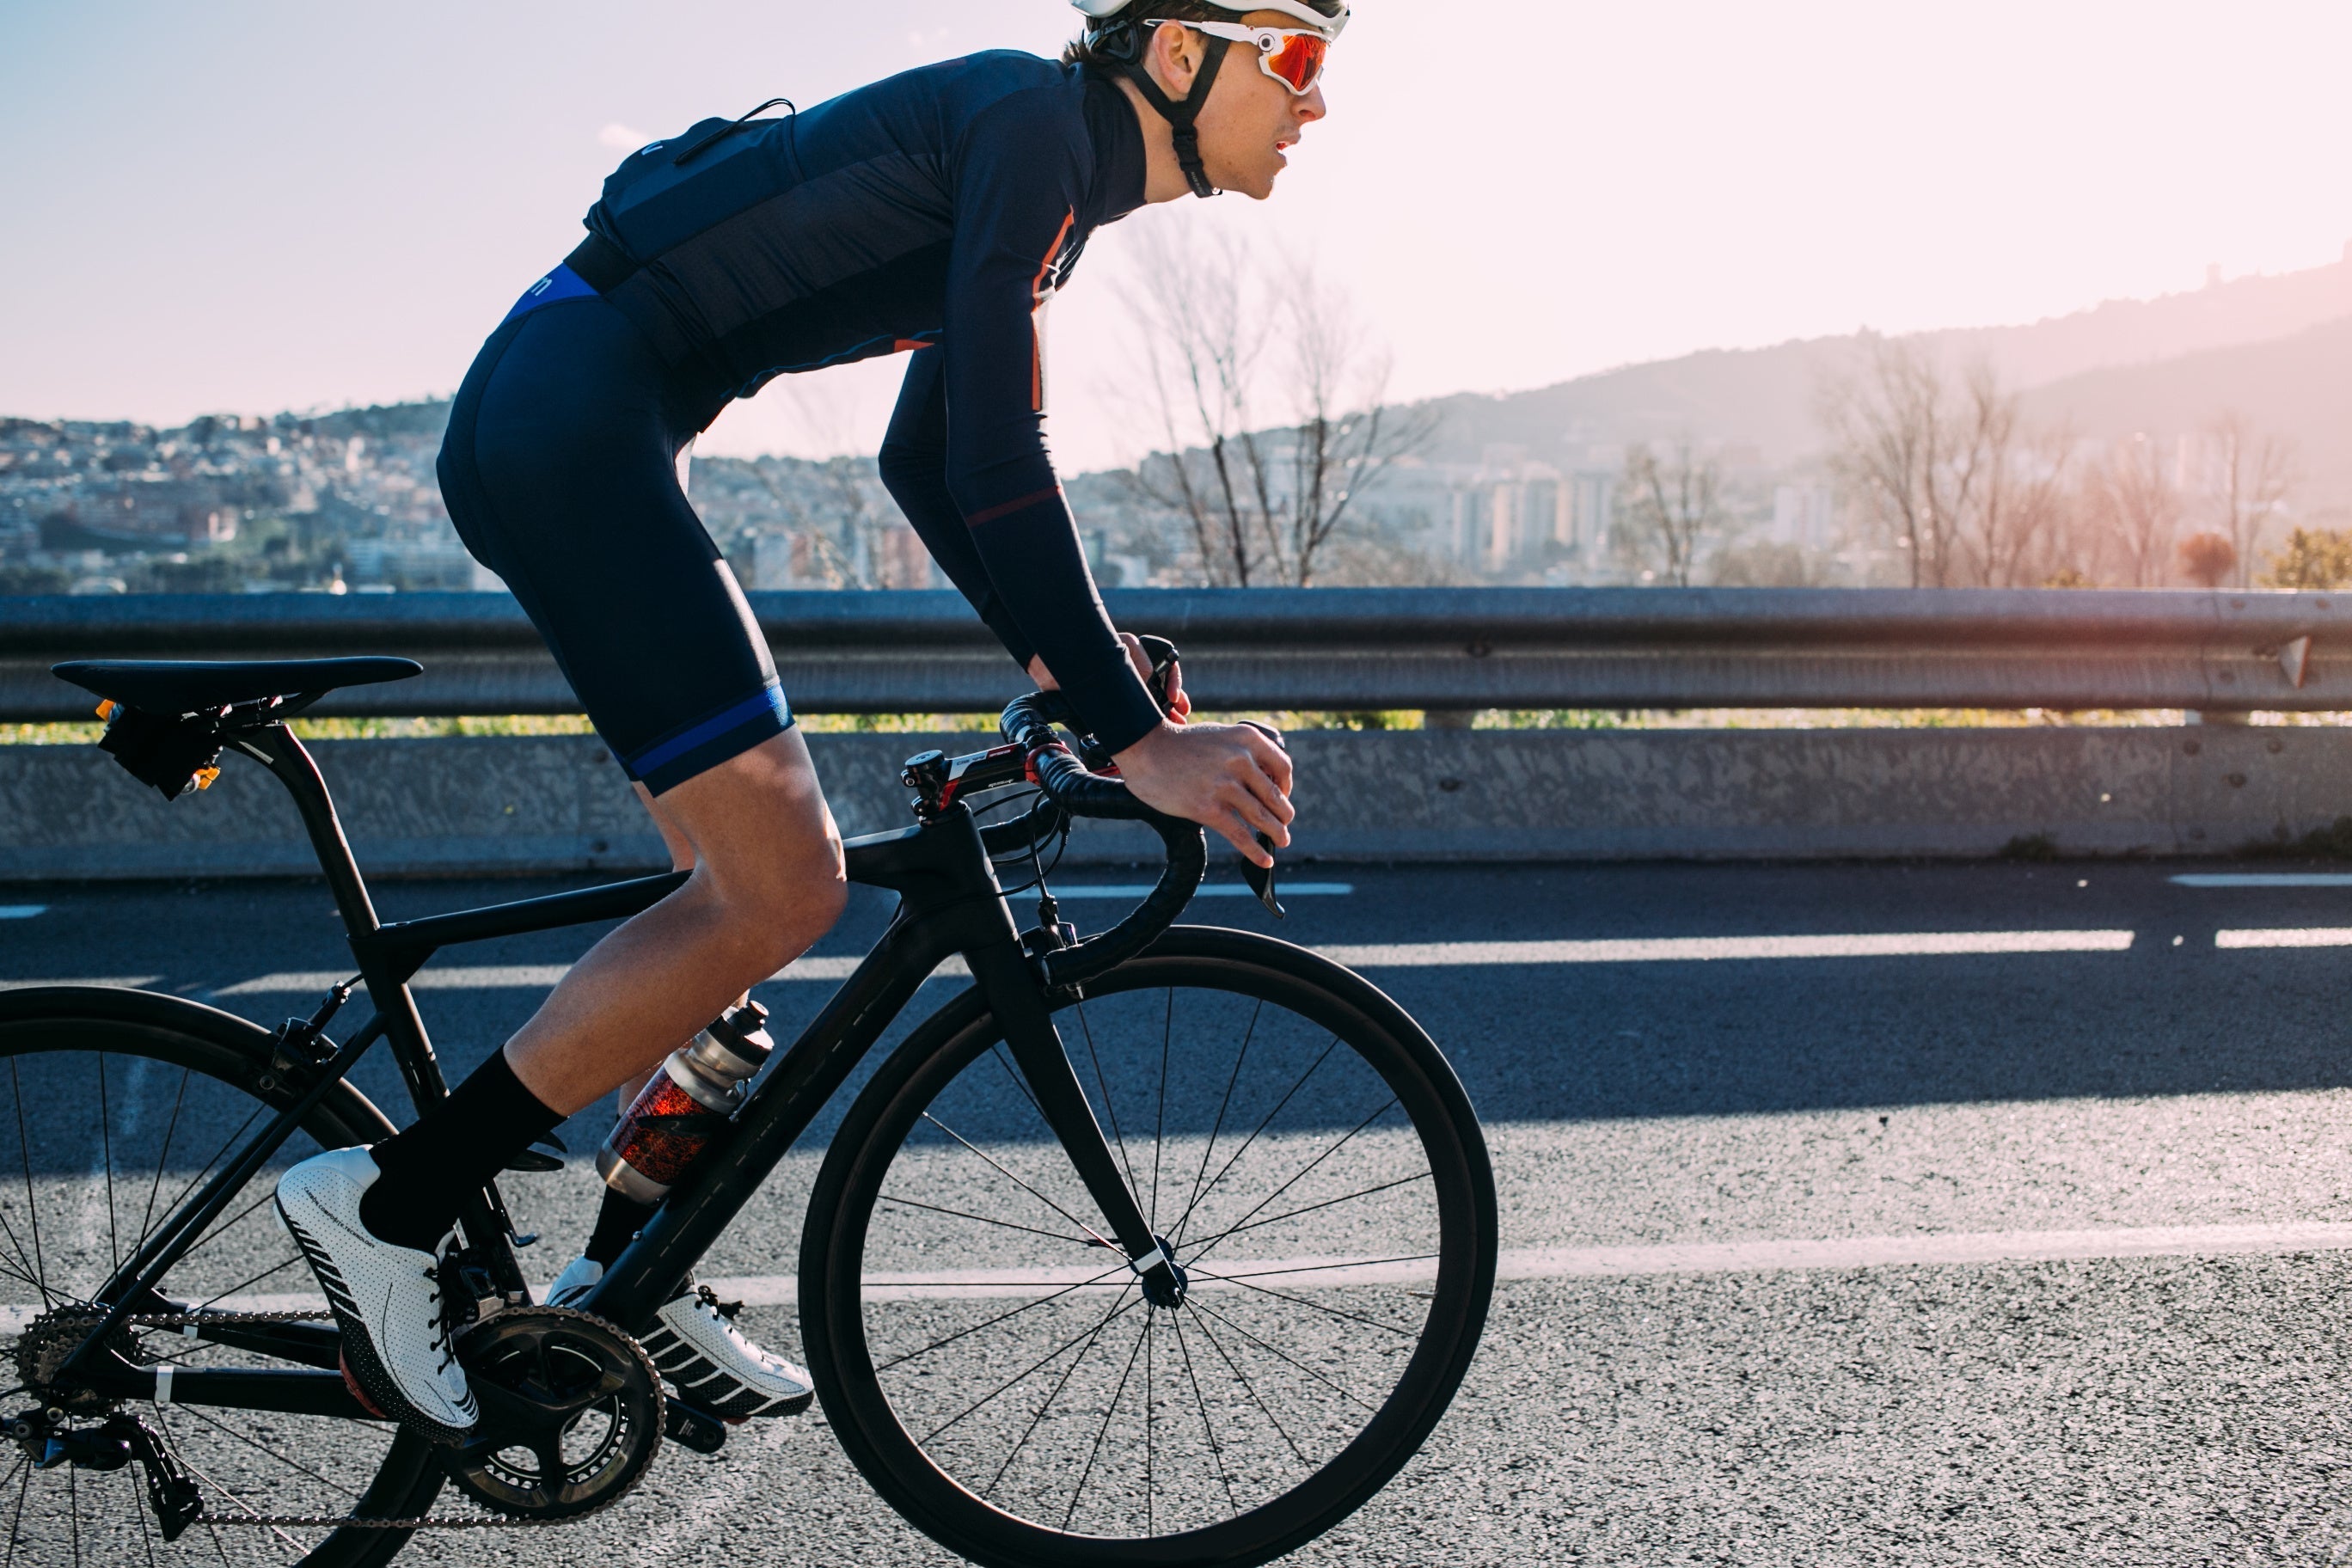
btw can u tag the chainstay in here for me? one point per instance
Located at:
(197, 1320)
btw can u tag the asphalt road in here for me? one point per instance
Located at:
(1955, 1214)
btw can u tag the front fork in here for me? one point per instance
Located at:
(1014, 997)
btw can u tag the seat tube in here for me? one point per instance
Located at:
(1019, 1008)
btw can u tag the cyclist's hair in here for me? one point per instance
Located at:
(1083, 50)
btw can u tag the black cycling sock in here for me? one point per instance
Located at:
(453, 1149)
(617, 1223)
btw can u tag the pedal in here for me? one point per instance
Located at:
(694, 1428)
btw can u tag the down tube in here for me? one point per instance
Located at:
(650, 1272)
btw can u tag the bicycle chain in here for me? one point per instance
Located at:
(307, 1520)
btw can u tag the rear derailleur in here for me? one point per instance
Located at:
(49, 1439)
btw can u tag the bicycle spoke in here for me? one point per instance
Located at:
(1109, 1108)
(1117, 1311)
(1318, 1267)
(73, 1509)
(1104, 1430)
(171, 1130)
(1311, 1306)
(106, 1152)
(225, 1227)
(1208, 1427)
(983, 1219)
(25, 1149)
(17, 1523)
(1160, 1128)
(1020, 1083)
(138, 1511)
(1067, 1373)
(290, 1463)
(1150, 1526)
(1286, 1360)
(1022, 1184)
(242, 1506)
(1302, 1174)
(1310, 1208)
(35, 1283)
(1001, 1318)
(1222, 1171)
(1251, 1389)
(255, 1281)
(1223, 1105)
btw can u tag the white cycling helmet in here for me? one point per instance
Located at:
(1331, 21)
(1114, 28)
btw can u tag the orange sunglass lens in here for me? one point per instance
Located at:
(1299, 61)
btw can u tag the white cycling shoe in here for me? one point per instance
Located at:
(702, 1355)
(386, 1298)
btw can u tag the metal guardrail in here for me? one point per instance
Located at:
(1445, 649)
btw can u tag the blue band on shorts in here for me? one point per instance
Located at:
(703, 746)
(560, 284)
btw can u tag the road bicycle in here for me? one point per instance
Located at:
(1168, 1245)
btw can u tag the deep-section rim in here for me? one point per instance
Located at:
(896, 1466)
(236, 1052)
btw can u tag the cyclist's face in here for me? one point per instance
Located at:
(1251, 121)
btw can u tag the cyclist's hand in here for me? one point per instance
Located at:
(1180, 706)
(1227, 777)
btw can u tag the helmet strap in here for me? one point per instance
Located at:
(1181, 117)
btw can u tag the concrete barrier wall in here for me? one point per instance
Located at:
(448, 806)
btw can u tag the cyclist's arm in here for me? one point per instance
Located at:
(914, 465)
(1021, 184)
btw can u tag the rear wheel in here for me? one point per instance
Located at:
(1316, 1171)
(113, 1107)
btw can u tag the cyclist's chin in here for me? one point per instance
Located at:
(1257, 182)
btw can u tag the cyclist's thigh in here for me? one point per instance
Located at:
(559, 468)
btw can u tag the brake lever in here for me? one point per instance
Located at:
(1261, 878)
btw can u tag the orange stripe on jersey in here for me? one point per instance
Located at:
(1037, 295)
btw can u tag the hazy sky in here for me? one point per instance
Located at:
(251, 205)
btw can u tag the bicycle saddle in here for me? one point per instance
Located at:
(191, 686)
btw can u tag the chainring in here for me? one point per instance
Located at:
(570, 1413)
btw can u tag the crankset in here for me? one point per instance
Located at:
(570, 1413)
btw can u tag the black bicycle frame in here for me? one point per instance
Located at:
(950, 903)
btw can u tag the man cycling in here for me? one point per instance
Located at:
(933, 213)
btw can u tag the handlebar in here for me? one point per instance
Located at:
(1076, 790)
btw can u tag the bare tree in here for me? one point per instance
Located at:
(1923, 454)
(2255, 475)
(2137, 505)
(1222, 338)
(2026, 507)
(1665, 510)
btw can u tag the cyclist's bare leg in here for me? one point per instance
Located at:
(767, 882)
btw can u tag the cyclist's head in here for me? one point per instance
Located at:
(1230, 125)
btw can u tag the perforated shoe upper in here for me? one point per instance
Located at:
(386, 1298)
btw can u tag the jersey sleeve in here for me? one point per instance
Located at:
(1020, 186)
(914, 463)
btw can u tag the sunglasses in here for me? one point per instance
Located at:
(1291, 56)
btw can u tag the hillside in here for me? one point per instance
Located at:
(2299, 387)
(1767, 398)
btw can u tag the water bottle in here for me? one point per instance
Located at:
(684, 1106)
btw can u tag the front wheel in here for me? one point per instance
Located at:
(1314, 1169)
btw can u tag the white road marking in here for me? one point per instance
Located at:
(1538, 1263)
(1220, 890)
(2299, 936)
(22, 911)
(115, 982)
(2266, 880)
(1384, 956)
(1716, 948)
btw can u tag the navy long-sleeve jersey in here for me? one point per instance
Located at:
(937, 212)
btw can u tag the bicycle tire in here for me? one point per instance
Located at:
(835, 1282)
(58, 1032)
